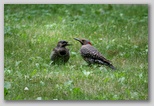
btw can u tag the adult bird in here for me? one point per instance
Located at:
(91, 55)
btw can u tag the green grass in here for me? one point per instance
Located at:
(119, 32)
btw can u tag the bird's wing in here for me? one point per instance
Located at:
(91, 52)
(53, 54)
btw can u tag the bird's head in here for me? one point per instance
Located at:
(83, 41)
(63, 43)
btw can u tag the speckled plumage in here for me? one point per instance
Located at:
(91, 55)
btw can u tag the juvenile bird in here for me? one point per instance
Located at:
(60, 54)
(91, 55)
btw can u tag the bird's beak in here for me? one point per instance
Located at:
(68, 44)
(78, 40)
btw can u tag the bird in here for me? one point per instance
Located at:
(60, 54)
(91, 55)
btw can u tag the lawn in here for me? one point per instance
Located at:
(119, 32)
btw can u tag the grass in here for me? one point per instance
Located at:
(119, 32)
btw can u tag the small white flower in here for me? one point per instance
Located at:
(26, 89)
(39, 98)
(86, 73)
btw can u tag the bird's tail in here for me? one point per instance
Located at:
(107, 63)
(111, 66)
